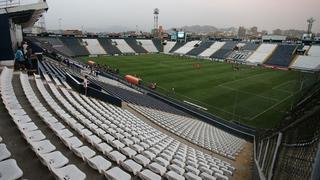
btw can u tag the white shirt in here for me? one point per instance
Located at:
(85, 83)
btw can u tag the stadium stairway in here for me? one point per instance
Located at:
(75, 46)
(108, 47)
(135, 45)
(198, 50)
(282, 56)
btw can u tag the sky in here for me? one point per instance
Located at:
(112, 15)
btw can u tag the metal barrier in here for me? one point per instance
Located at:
(293, 152)
(9, 3)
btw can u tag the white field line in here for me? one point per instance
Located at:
(268, 98)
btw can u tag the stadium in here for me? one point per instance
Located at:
(111, 106)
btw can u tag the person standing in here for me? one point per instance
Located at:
(85, 84)
(19, 58)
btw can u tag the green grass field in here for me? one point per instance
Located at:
(256, 96)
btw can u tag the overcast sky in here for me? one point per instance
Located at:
(127, 14)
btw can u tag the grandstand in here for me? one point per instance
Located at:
(310, 62)
(136, 45)
(212, 49)
(263, 52)
(187, 47)
(224, 51)
(108, 46)
(282, 56)
(148, 45)
(75, 45)
(168, 46)
(123, 46)
(93, 46)
(202, 47)
(209, 109)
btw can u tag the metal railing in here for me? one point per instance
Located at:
(9, 3)
(14, 3)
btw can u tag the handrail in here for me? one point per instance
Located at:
(9, 3)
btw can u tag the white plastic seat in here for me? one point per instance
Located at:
(206, 176)
(128, 152)
(137, 148)
(93, 139)
(131, 166)
(104, 148)
(220, 176)
(116, 156)
(0, 139)
(178, 163)
(157, 168)
(172, 175)
(108, 138)
(141, 160)
(4, 152)
(30, 126)
(10, 170)
(64, 133)
(162, 161)
(70, 172)
(192, 169)
(43, 147)
(176, 169)
(117, 144)
(34, 136)
(117, 174)
(191, 176)
(148, 175)
(72, 142)
(54, 159)
(84, 152)
(149, 155)
(99, 163)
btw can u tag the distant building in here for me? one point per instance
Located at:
(242, 32)
(277, 32)
(273, 38)
(254, 31)
(72, 32)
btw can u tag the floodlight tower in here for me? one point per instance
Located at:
(310, 23)
(156, 12)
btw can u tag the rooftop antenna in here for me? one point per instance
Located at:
(156, 12)
(310, 24)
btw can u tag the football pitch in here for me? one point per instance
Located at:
(254, 96)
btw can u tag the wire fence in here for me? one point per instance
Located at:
(292, 152)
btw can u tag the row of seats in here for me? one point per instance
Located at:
(139, 148)
(94, 47)
(187, 47)
(8, 166)
(196, 131)
(46, 151)
(123, 46)
(148, 45)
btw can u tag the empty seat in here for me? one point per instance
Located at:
(117, 174)
(148, 175)
(84, 152)
(141, 160)
(70, 172)
(191, 176)
(131, 166)
(43, 147)
(206, 176)
(10, 170)
(116, 156)
(99, 163)
(157, 168)
(4, 152)
(54, 159)
(72, 142)
(104, 148)
(172, 175)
